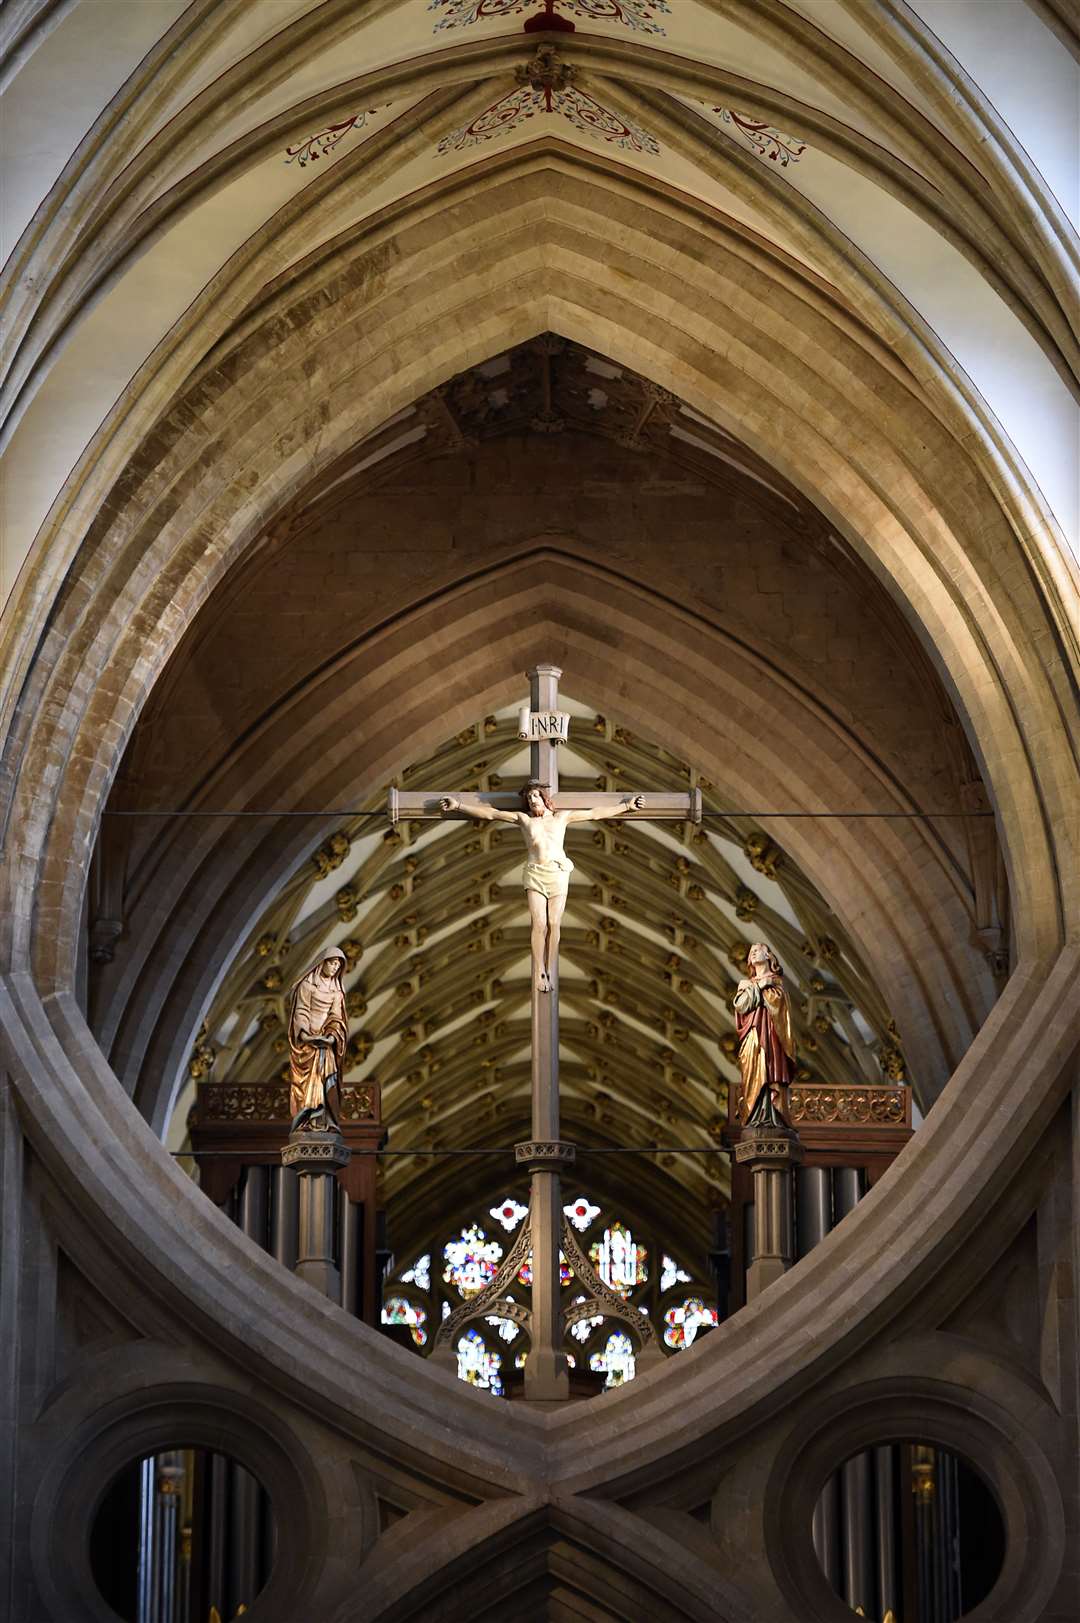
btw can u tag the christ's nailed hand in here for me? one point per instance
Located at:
(449, 803)
(636, 803)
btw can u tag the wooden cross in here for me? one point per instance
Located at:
(545, 1232)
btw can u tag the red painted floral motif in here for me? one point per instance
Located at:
(322, 144)
(635, 14)
(766, 139)
(581, 110)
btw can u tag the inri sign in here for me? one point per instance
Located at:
(552, 726)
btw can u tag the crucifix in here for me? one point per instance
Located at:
(543, 814)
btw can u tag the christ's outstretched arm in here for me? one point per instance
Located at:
(597, 814)
(482, 813)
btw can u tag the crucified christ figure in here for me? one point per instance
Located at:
(547, 870)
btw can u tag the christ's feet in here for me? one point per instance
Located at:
(543, 981)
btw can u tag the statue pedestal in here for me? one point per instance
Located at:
(317, 1157)
(770, 1153)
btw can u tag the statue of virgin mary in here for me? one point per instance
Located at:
(766, 1040)
(318, 1033)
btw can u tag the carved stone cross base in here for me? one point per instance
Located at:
(770, 1153)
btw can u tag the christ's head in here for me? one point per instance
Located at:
(535, 799)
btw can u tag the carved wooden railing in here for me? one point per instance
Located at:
(221, 1103)
(849, 1104)
(237, 1124)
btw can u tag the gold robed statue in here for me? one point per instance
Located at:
(318, 1033)
(766, 1041)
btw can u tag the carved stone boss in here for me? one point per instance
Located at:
(545, 1233)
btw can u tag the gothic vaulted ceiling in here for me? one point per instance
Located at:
(205, 152)
(332, 337)
(436, 945)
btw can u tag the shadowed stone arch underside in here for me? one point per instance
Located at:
(233, 454)
(665, 670)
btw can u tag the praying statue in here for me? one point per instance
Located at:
(766, 1041)
(546, 875)
(318, 1032)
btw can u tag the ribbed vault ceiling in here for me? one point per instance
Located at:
(433, 924)
(552, 386)
(208, 150)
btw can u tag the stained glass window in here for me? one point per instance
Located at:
(509, 1213)
(643, 1264)
(582, 1330)
(479, 1364)
(419, 1274)
(507, 1329)
(581, 1213)
(682, 1322)
(399, 1310)
(671, 1274)
(619, 1260)
(525, 1271)
(616, 1360)
(471, 1261)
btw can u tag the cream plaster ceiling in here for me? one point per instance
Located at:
(847, 155)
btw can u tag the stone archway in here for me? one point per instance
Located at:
(188, 502)
(668, 671)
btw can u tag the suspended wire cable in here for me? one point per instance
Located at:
(581, 1149)
(356, 816)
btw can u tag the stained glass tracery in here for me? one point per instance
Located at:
(419, 1274)
(508, 1213)
(616, 1360)
(399, 1310)
(619, 1260)
(479, 1364)
(492, 1350)
(471, 1261)
(581, 1213)
(683, 1321)
(671, 1274)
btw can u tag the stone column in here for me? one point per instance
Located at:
(547, 1376)
(770, 1153)
(317, 1158)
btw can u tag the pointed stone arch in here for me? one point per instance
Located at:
(667, 671)
(927, 513)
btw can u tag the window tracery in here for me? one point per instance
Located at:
(679, 1298)
(471, 1261)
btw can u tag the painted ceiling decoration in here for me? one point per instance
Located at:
(876, 169)
(322, 144)
(639, 15)
(545, 86)
(765, 139)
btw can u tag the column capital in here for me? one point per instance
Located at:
(768, 1146)
(545, 1152)
(315, 1152)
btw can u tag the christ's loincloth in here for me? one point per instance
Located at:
(548, 878)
